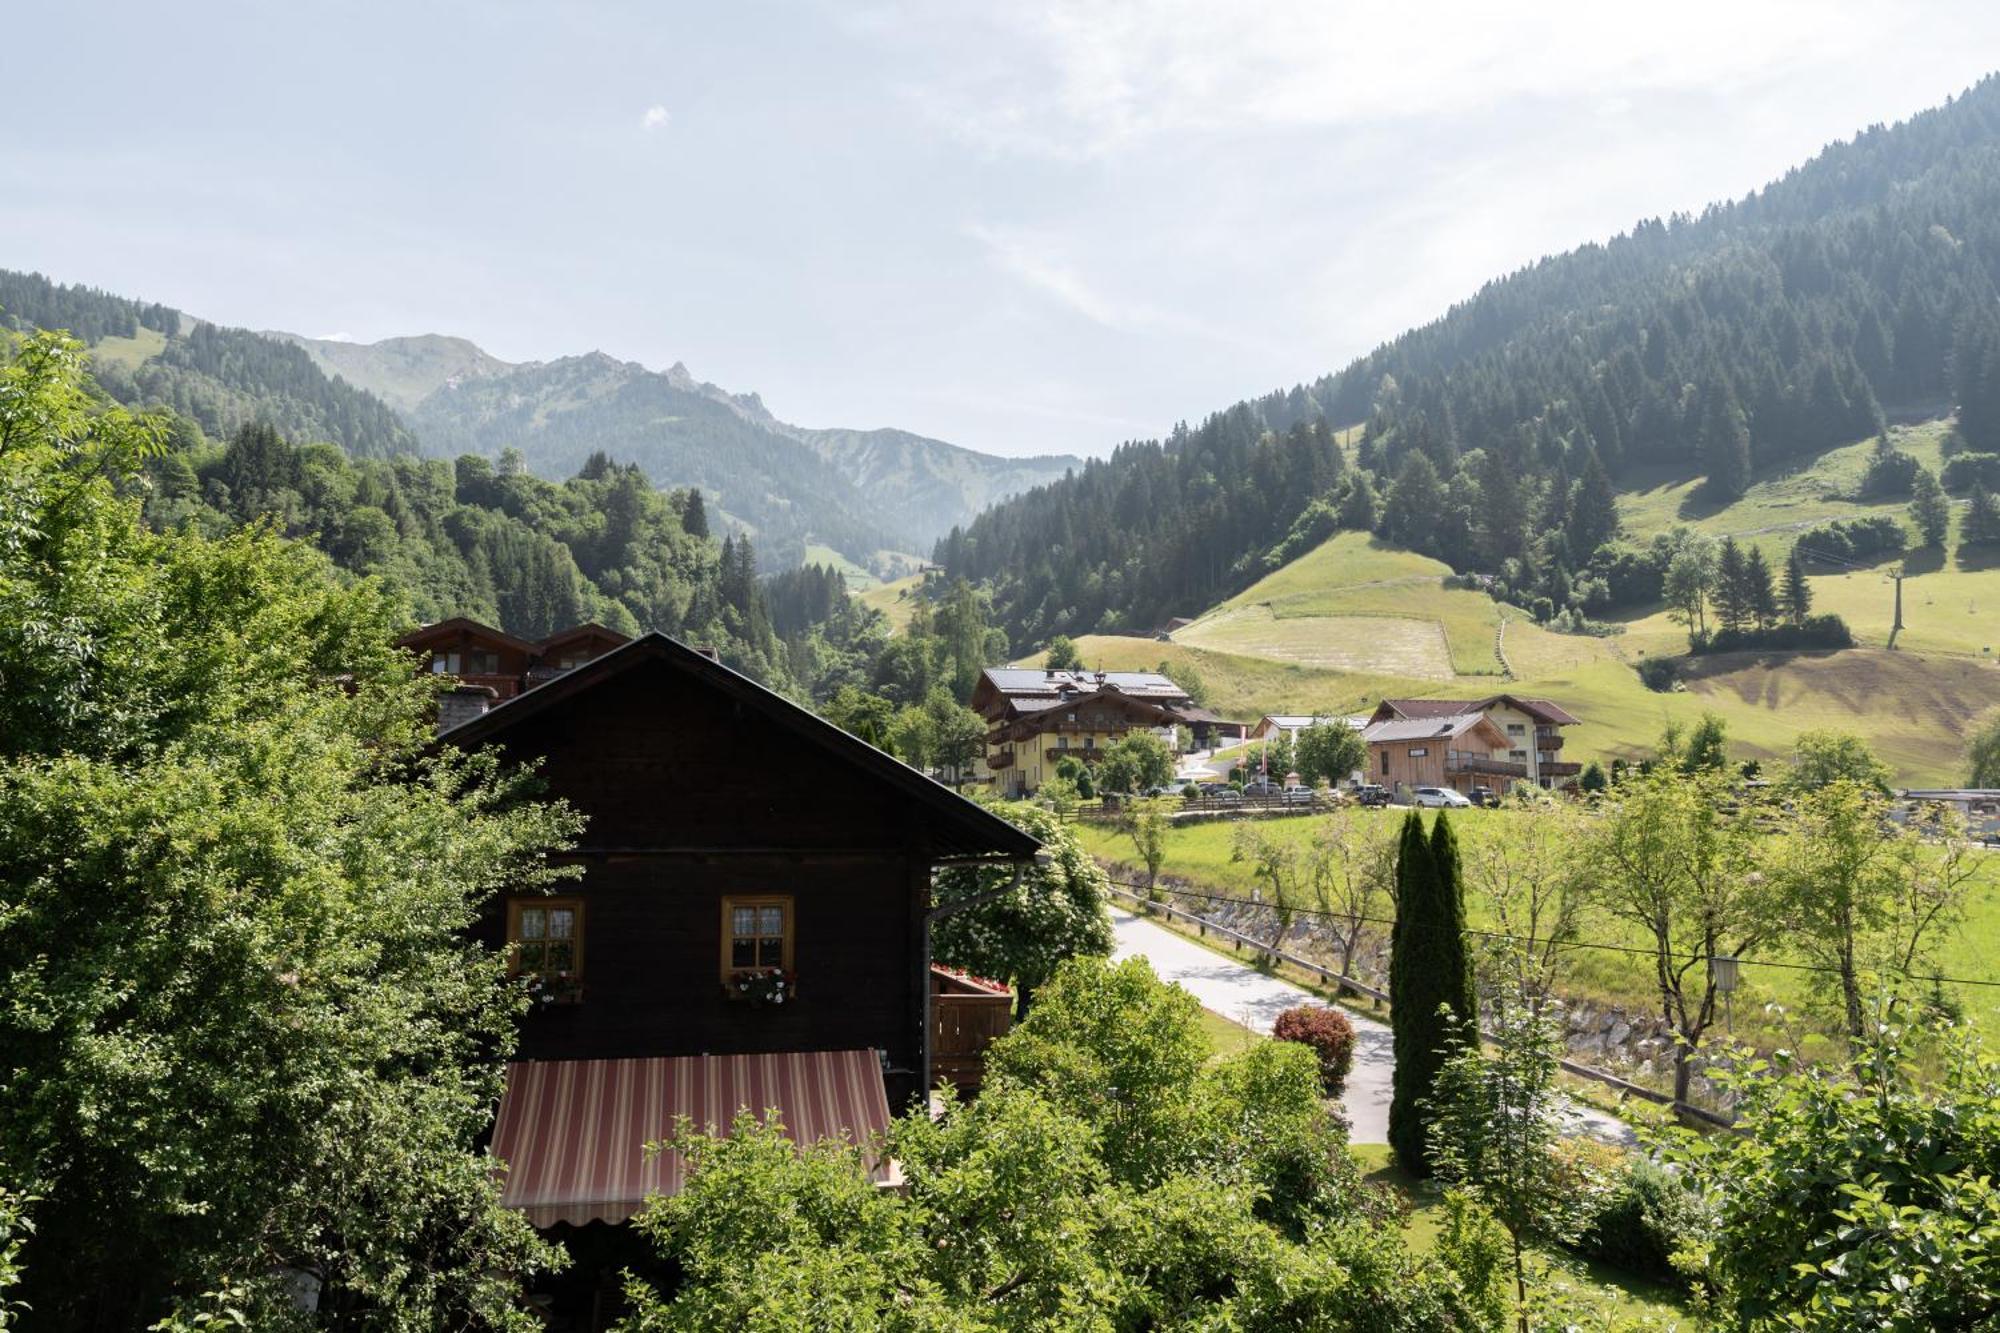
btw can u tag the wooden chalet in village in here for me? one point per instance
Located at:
(1466, 743)
(728, 946)
(494, 665)
(1036, 716)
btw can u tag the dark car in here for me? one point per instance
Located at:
(1372, 795)
(1266, 790)
(1484, 796)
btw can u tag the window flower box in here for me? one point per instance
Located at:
(761, 985)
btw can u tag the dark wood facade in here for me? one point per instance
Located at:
(700, 785)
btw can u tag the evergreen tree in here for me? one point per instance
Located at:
(1429, 972)
(1734, 601)
(1929, 509)
(694, 518)
(1415, 509)
(1593, 515)
(1981, 524)
(1760, 591)
(1725, 443)
(1798, 593)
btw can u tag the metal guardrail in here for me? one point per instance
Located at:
(1205, 927)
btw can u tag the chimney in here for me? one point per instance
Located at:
(462, 703)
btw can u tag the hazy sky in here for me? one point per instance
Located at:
(1021, 226)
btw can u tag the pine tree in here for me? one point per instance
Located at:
(1760, 590)
(1429, 970)
(1929, 509)
(1798, 593)
(1725, 443)
(1733, 601)
(694, 519)
(1981, 524)
(1593, 518)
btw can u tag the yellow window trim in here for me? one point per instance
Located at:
(515, 906)
(730, 903)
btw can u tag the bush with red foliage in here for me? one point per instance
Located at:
(1329, 1034)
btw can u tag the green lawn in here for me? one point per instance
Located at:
(1201, 853)
(1614, 1295)
(1356, 604)
(129, 353)
(1226, 1036)
(858, 579)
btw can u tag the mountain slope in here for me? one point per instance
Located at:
(856, 490)
(1755, 336)
(220, 378)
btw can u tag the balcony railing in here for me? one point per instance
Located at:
(1467, 763)
(968, 1014)
(1560, 770)
(1548, 738)
(1000, 759)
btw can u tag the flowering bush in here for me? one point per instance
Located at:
(1330, 1036)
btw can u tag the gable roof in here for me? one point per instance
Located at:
(1428, 728)
(1543, 710)
(446, 629)
(953, 826)
(589, 629)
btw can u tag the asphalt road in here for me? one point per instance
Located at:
(1244, 995)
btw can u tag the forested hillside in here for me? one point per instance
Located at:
(1768, 329)
(222, 379)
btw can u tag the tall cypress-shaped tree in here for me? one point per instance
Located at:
(1429, 968)
(1798, 593)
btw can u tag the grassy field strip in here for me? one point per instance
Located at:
(1409, 646)
(1202, 854)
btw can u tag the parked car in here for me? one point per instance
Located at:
(1440, 798)
(1298, 796)
(1265, 790)
(1483, 796)
(1220, 791)
(1371, 795)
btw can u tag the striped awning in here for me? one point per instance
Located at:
(573, 1133)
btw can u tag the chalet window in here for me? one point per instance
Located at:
(444, 664)
(1519, 755)
(545, 939)
(482, 663)
(1419, 751)
(756, 934)
(1385, 761)
(1515, 729)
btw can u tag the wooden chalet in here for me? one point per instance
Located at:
(750, 930)
(495, 665)
(1036, 717)
(1522, 742)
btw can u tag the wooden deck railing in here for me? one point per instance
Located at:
(967, 1016)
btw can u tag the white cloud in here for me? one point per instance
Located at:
(341, 337)
(1071, 82)
(1037, 259)
(656, 118)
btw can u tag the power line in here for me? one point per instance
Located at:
(1502, 935)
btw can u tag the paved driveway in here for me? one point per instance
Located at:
(1244, 995)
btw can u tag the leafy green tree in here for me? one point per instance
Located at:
(1062, 655)
(1525, 875)
(957, 734)
(1983, 755)
(1136, 762)
(1286, 871)
(1185, 674)
(1930, 510)
(1496, 1122)
(1431, 993)
(1147, 823)
(1665, 858)
(1689, 582)
(1857, 1195)
(1054, 911)
(1329, 752)
(245, 1028)
(1823, 756)
(859, 713)
(1356, 876)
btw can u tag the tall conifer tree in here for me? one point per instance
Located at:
(1429, 970)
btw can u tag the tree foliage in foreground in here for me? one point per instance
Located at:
(1861, 1196)
(243, 1029)
(1431, 995)
(1110, 1176)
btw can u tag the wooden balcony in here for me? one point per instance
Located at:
(1499, 768)
(1000, 759)
(1548, 738)
(1556, 769)
(968, 1014)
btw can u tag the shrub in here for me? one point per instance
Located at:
(1661, 674)
(1890, 472)
(1330, 1036)
(1854, 538)
(1647, 1214)
(1827, 631)
(1967, 470)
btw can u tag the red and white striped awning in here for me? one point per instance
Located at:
(573, 1133)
